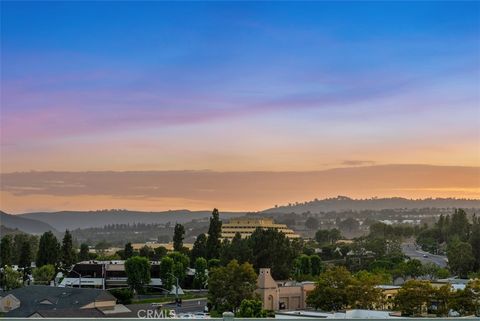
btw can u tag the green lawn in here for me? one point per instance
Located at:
(170, 298)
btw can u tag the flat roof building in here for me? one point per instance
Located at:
(105, 274)
(246, 226)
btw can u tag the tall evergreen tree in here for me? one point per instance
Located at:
(6, 251)
(475, 241)
(128, 251)
(18, 241)
(69, 256)
(84, 252)
(48, 250)
(459, 225)
(199, 248)
(178, 236)
(214, 235)
(25, 260)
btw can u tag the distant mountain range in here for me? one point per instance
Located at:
(84, 219)
(39, 222)
(25, 224)
(343, 203)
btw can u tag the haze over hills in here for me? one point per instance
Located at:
(37, 222)
(25, 224)
(84, 219)
(343, 203)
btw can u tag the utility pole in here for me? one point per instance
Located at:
(176, 290)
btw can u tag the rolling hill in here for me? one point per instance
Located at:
(25, 224)
(85, 219)
(343, 203)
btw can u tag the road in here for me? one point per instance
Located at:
(411, 251)
(194, 305)
(188, 306)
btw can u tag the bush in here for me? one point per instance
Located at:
(44, 274)
(251, 309)
(124, 296)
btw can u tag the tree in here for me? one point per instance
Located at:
(459, 226)
(228, 286)
(328, 236)
(251, 309)
(6, 251)
(11, 279)
(213, 263)
(128, 251)
(44, 274)
(238, 249)
(181, 263)
(18, 242)
(84, 252)
(414, 268)
(138, 273)
(331, 292)
(48, 250)
(146, 251)
(199, 247)
(101, 247)
(364, 293)
(160, 252)
(25, 261)
(475, 241)
(311, 223)
(303, 265)
(200, 278)
(413, 298)
(441, 296)
(460, 258)
(178, 236)
(271, 248)
(69, 256)
(349, 225)
(214, 234)
(430, 270)
(166, 272)
(472, 292)
(322, 237)
(316, 263)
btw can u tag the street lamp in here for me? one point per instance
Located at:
(79, 277)
(176, 289)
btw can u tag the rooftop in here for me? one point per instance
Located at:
(40, 298)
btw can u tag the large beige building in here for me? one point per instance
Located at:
(246, 226)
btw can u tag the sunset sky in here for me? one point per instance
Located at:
(238, 87)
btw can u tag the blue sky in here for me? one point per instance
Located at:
(156, 72)
(242, 87)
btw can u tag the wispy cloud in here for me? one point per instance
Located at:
(237, 190)
(353, 162)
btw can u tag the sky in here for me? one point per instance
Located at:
(244, 87)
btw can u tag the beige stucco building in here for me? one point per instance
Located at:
(246, 226)
(286, 295)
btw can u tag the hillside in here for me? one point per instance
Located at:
(342, 203)
(9, 231)
(25, 224)
(86, 219)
